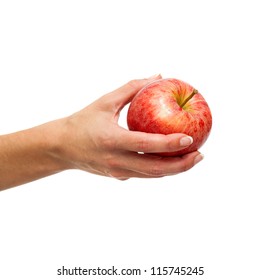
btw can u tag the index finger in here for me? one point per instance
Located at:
(153, 143)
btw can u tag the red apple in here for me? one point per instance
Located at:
(170, 106)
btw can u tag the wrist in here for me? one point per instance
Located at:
(54, 142)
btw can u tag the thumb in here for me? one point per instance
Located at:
(126, 93)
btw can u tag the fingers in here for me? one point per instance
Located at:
(152, 143)
(162, 166)
(147, 166)
(123, 95)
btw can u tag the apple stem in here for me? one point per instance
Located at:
(188, 98)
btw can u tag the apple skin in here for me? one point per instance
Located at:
(156, 109)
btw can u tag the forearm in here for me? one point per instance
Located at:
(29, 155)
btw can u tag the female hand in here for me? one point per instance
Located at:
(94, 141)
(91, 140)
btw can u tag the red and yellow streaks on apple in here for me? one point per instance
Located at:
(169, 106)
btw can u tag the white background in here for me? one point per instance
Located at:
(58, 56)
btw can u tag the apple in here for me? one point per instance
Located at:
(168, 106)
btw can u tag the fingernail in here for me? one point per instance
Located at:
(198, 158)
(155, 76)
(186, 141)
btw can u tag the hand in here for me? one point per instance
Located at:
(94, 142)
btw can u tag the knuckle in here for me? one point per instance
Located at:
(133, 84)
(170, 146)
(143, 145)
(112, 162)
(106, 142)
(156, 170)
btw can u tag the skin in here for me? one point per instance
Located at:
(91, 140)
